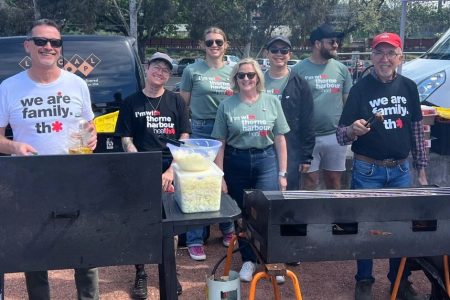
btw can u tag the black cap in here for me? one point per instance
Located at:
(278, 38)
(324, 31)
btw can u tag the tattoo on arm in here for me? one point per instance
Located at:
(127, 144)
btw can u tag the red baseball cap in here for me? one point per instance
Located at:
(389, 38)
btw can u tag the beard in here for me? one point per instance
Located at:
(328, 54)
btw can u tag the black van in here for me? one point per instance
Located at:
(109, 65)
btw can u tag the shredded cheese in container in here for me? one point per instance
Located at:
(198, 191)
(191, 161)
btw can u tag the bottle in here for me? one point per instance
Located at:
(79, 137)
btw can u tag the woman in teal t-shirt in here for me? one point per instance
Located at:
(204, 85)
(251, 126)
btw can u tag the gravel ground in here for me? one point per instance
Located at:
(318, 280)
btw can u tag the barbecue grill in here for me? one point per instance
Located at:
(348, 224)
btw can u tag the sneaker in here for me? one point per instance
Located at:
(227, 239)
(247, 270)
(280, 279)
(140, 286)
(407, 292)
(197, 252)
(294, 264)
(363, 290)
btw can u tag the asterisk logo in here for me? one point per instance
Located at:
(57, 126)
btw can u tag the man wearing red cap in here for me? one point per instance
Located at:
(381, 147)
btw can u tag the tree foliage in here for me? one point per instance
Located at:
(246, 22)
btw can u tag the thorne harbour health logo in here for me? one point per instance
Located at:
(75, 64)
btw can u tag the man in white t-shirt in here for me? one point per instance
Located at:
(43, 105)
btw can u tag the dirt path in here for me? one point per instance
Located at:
(319, 280)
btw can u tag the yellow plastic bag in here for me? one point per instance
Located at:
(106, 123)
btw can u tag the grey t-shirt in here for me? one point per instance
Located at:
(245, 126)
(328, 83)
(208, 87)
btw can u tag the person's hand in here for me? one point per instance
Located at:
(92, 141)
(22, 149)
(167, 180)
(303, 168)
(224, 186)
(358, 128)
(422, 177)
(282, 181)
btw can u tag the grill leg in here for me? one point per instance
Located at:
(276, 289)
(227, 267)
(401, 268)
(295, 283)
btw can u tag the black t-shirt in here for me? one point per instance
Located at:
(399, 103)
(144, 119)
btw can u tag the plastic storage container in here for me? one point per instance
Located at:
(195, 154)
(198, 191)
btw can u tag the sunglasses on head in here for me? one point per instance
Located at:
(219, 43)
(250, 75)
(283, 51)
(39, 41)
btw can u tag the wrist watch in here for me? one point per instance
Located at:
(282, 174)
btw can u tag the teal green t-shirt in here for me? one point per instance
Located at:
(328, 83)
(208, 87)
(245, 126)
(275, 86)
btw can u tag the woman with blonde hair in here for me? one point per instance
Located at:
(204, 85)
(251, 126)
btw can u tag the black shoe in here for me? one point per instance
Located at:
(140, 286)
(179, 288)
(407, 292)
(363, 290)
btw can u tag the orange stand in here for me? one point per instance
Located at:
(272, 270)
(401, 268)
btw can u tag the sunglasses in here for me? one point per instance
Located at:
(219, 43)
(250, 75)
(331, 42)
(283, 51)
(39, 41)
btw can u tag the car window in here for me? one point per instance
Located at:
(105, 65)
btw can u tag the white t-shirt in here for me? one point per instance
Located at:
(44, 115)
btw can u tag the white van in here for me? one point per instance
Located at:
(430, 72)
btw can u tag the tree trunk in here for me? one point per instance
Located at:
(37, 13)
(133, 21)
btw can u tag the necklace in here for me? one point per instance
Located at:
(150, 102)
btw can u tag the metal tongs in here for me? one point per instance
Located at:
(177, 143)
(377, 117)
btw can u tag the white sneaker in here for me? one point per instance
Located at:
(247, 270)
(280, 279)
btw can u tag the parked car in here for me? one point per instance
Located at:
(264, 63)
(183, 63)
(175, 66)
(430, 72)
(231, 60)
(109, 65)
(293, 62)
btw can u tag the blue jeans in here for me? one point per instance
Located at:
(201, 129)
(369, 176)
(249, 169)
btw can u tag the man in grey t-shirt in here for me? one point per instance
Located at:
(330, 83)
